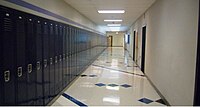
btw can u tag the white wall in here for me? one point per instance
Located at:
(171, 45)
(118, 39)
(59, 7)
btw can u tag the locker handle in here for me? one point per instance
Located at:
(7, 76)
(19, 71)
(30, 68)
(51, 61)
(56, 59)
(45, 63)
(60, 58)
(38, 65)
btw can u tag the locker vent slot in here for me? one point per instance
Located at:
(7, 24)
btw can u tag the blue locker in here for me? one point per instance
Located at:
(60, 56)
(72, 37)
(78, 50)
(64, 58)
(30, 60)
(21, 77)
(68, 53)
(56, 59)
(1, 73)
(51, 59)
(46, 79)
(75, 57)
(77, 65)
(7, 57)
(73, 54)
(39, 81)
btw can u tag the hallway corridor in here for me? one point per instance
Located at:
(112, 79)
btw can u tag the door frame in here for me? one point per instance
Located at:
(143, 48)
(110, 41)
(134, 33)
(197, 77)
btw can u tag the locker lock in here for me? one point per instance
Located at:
(63, 56)
(30, 69)
(19, 71)
(45, 63)
(51, 61)
(56, 59)
(60, 56)
(38, 65)
(7, 76)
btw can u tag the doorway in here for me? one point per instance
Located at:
(134, 45)
(197, 78)
(109, 40)
(143, 48)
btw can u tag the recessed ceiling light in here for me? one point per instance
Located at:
(113, 25)
(115, 20)
(111, 11)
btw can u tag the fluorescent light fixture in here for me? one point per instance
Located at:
(114, 29)
(113, 25)
(111, 11)
(117, 20)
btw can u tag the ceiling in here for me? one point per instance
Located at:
(133, 10)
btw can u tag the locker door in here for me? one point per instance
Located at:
(56, 60)
(1, 44)
(74, 61)
(20, 68)
(30, 60)
(68, 53)
(64, 57)
(79, 51)
(45, 61)
(51, 56)
(76, 51)
(7, 57)
(60, 57)
(39, 81)
(73, 54)
(73, 40)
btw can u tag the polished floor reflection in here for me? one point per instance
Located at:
(112, 79)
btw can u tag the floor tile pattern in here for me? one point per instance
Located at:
(114, 79)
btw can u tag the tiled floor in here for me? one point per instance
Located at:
(113, 79)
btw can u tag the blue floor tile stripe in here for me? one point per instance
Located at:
(73, 100)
